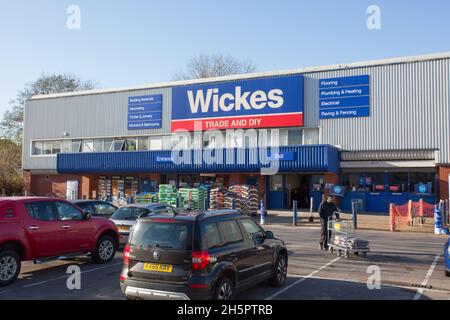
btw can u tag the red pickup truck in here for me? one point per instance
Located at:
(40, 229)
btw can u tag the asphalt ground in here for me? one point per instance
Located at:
(410, 267)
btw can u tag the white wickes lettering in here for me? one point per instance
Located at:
(248, 100)
(199, 100)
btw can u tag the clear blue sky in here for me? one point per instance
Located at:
(132, 42)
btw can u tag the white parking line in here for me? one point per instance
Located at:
(276, 294)
(68, 275)
(427, 277)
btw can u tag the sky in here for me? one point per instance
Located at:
(124, 43)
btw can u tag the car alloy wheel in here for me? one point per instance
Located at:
(225, 291)
(8, 268)
(281, 270)
(106, 249)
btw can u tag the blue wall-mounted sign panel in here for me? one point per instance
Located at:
(145, 112)
(346, 97)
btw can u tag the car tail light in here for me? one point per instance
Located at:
(126, 255)
(200, 260)
(122, 278)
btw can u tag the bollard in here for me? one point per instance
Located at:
(263, 213)
(294, 216)
(392, 217)
(355, 214)
(437, 220)
(443, 212)
(233, 204)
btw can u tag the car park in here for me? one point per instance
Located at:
(41, 229)
(206, 255)
(97, 208)
(125, 217)
(447, 258)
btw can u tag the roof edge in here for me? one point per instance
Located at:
(361, 64)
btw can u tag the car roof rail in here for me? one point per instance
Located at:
(214, 213)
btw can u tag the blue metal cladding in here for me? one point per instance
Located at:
(311, 158)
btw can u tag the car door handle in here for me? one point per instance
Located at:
(65, 226)
(33, 227)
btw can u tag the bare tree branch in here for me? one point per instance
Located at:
(11, 127)
(209, 66)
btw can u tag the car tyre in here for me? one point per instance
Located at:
(105, 250)
(224, 289)
(280, 273)
(10, 264)
(447, 273)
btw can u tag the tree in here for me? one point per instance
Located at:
(11, 181)
(209, 66)
(11, 127)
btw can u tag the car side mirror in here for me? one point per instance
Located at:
(87, 215)
(269, 235)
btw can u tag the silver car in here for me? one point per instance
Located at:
(126, 217)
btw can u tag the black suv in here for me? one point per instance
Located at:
(209, 255)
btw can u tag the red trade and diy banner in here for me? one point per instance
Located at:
(262, 121)
(240, 104)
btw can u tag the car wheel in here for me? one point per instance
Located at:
(280, 273)
(9, 267)
(447, 273)
(105, 249)
(224, 289)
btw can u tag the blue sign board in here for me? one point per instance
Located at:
(249, 103)
(145, 112)
(423, 188)
(337, 191)
(346, 97)
(281, 156)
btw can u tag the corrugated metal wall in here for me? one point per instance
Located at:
(409, 109)
(89, 116)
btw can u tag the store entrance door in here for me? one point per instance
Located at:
(297, 187)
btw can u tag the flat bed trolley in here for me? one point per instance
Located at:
(343, 239)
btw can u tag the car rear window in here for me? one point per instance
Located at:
(165, 235)
(128, 213)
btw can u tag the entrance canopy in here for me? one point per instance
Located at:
(311, 158)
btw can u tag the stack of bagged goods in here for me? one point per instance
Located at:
(217, 198)
(207, 189)
(167, 194)
(229, 197)
(146, 197)
(194, 198)
(354, 244)
(358, 244)
(246, 198)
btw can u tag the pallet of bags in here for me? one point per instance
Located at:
(217, 198)
(167, 194)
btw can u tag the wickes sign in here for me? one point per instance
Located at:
(253, 103)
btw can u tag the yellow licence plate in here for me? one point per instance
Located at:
(158, 267)
(123, 229)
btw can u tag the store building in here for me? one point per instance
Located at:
(373, 132)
